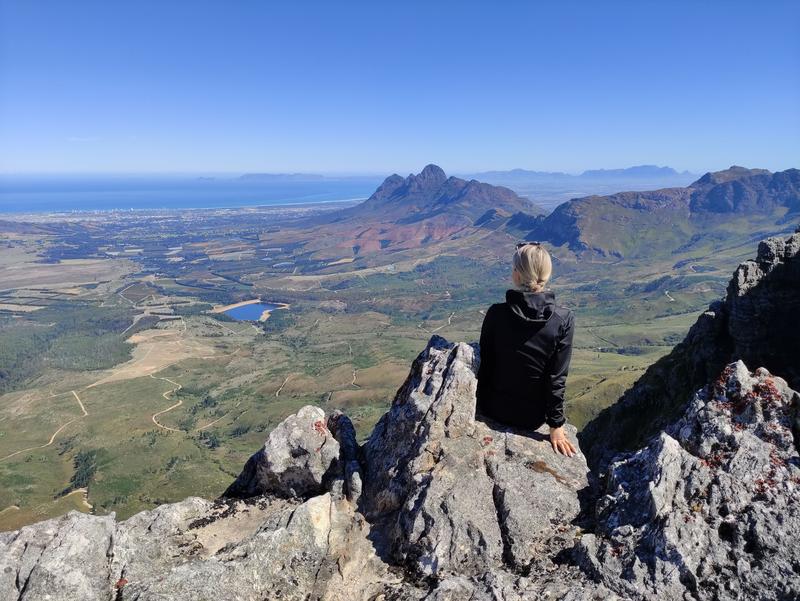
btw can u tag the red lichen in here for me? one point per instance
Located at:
(776, 461)
(713, 460)
(768, 391)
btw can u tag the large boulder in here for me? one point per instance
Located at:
(710, 508)
(456, 496)
(300, 458)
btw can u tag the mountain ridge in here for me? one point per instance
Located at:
(602, 225)
(431, 193)
(644, 171)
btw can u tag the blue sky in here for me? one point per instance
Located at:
(236, 86)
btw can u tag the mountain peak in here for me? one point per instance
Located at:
(430, 194)
(432, 176)
(733, 172)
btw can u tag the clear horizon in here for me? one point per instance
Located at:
(364, 89)
(342, 174)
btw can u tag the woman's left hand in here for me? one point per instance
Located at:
(561, 443)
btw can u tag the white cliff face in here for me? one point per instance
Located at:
(439, 506)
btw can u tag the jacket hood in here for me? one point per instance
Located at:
(531, 306)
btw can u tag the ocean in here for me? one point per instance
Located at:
(57, 194)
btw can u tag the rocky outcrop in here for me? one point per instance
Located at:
(710, 508)
(270, 549)
(455, 496)
(757, 322)
(441, 506)
(305, 455)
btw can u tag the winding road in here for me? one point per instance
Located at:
(56, 433)
(175, 406)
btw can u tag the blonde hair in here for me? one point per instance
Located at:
(533, 265)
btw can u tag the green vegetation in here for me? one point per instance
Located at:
(64, 336)
(85, 463)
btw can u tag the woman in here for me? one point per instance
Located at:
(526, 345)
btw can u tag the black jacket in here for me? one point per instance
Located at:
(526, 346)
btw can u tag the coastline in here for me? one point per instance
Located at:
(28, 214)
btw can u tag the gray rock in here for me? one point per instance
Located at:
(460, 497)
(350, 473)
(64, 558)
(710, 509)
(299, 459)
(757, 322)
(321, 552)
(195, 549)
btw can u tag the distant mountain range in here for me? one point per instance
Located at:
(414, 211)
(519, 175)
(637, 172)
(551, 188)
(282, 177)
(637, 223)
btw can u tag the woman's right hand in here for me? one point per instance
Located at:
(561, 443)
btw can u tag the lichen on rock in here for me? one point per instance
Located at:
(710, 509)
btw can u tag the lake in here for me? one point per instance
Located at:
(251, 312)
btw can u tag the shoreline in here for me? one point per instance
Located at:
(265, 314)
(247, 207)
